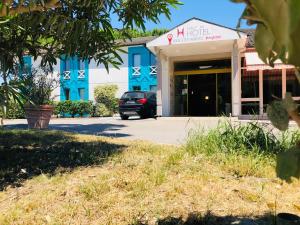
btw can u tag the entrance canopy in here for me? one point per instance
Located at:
(196, 37)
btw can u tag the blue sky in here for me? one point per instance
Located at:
(222, 12)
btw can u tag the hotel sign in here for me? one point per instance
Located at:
(195, 31)
(192, 33)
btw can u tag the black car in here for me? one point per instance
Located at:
(141, 103)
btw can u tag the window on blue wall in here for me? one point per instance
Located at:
(152, 60)
(136, 88)
(153, 88)
(81, 64)
(25, 69)
(67, 65)
(67, 93)
(81, 93)
(137, 60)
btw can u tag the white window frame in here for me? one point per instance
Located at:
(67, 75)
(81, 74)
(153, 70)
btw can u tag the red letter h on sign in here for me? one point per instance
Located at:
(180, 32)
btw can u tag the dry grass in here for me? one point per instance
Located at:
(148, 184)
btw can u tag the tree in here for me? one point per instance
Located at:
(277, 37)
(52, 28)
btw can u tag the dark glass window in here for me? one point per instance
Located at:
(224, 94)
(81, 65)
(250, 108)
(272, 85)
(67, 65)
(292, 84)
(250, 84)
(67, 94)
(152, 60)
(136, 88)
(81, 93)
(203, 65)
(181, 95)
(132, 95)
(153, 88)
(137, 60)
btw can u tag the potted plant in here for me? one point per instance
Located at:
(40, 83)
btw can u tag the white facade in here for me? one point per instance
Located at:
(98, 75)
(196, 40)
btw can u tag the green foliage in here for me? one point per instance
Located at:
(242, 148)
(40, 83)
(15, 111)
(278, 114)
(107, 103)
(288, 164)
(10, 93)
(73, 108)
(134, 33)
(51, 28)
(85, 107)
(77, 27)
(100, 110)
(277, 37)
(242, 138)
(278, 29)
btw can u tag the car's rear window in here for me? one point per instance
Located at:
(131, 95)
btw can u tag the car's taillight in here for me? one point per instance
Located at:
(121, 102)
(142, 101)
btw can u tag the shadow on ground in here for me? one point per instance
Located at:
(211, 219)
(25, 154)
(105, 129)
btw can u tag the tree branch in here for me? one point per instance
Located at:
(7, 9)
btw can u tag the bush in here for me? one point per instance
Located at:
(74, 108)
(15, 111)
(100, 110)
(105, 95)
(85, 107)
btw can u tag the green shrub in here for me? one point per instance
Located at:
(56, 111)
(105, 95)
(15, 111)
(100, 110)
(85, 107)
(74, 108)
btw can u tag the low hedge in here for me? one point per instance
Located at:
(73, 108)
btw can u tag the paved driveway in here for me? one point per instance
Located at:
(163, 130)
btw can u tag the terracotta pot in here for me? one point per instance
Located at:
(38, 117)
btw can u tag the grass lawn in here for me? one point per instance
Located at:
(62, 178)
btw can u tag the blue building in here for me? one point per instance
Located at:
(142, 69)
(74, 77)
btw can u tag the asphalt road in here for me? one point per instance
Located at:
(168, 130)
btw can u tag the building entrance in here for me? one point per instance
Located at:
(203, 92)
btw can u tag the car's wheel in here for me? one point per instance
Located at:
(124, 117)
(152, 113)
(143, 116)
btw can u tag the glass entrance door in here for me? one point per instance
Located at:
(203, 94)
(181, 95)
